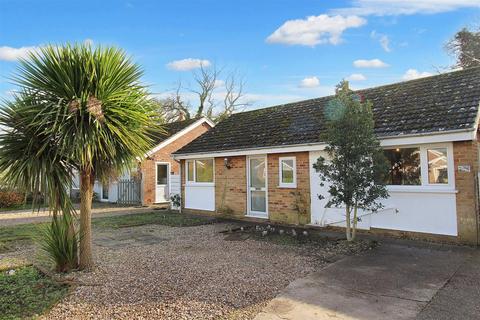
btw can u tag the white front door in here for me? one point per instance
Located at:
(257, 186)
(161, 182)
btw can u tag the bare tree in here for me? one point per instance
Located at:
(465, 46)
(174, 108)
(217, 99)
(206, 81)
(234, 99)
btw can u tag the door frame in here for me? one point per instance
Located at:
(168, 179)
(250, 213)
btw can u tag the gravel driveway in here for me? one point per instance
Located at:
(158, 272)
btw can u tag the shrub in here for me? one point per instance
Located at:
(11, 198)
(176, 200)
(59, 241)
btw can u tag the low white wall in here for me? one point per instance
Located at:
(423, 210)
(200, 197)
(174, 184)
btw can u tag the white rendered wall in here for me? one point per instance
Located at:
(174, 184)
(200, 197)
(419, 209)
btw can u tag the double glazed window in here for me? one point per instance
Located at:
(287, 172)
(199, 170)
(418, 166)
(404, 166)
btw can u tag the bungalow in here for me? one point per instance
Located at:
(157, 177)
(258, 164)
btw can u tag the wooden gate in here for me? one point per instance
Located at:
(129, 191)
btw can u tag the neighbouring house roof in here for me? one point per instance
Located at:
(169, 129)
(174, 130)
(441, 103)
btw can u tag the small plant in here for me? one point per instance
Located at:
(176, 200)
(59, 241)
(226, 210)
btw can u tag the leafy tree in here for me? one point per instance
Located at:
(355, 169)
(465, 46)
(78, 109)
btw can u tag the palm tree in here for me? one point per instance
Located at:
(79, 109)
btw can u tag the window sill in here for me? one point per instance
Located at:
(200, 184)
(421, 189)
(287, 186)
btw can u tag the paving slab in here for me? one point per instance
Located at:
(390, 282)
(460, 297)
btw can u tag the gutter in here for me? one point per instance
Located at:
(322, 145)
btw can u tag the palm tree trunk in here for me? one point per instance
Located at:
(86, 196)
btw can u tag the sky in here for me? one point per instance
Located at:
(284, 50)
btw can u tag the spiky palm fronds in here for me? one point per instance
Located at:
(80, 108)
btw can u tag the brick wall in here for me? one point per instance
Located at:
(282, 201)
(164, 155)
(466, 154)
(231, 186)
(231, 189)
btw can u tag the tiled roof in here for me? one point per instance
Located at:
(170, 129)
(444, 102)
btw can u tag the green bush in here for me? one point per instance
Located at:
(11, 198)
(59, 241)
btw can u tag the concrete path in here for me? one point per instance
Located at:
(29, 216)
(394, 281)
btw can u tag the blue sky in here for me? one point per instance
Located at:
(286, 50)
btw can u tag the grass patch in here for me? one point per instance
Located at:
(18, 234)
(12, 236)
(27, 293)
(166, 218)
(24, 206)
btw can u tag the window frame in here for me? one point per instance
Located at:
(194, 181)
(424, 183)
(282, 184)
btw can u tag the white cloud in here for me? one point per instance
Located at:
(314, 30)
(374, 63)
(382, 39)
(219, 84)
(356, 77)
(188, 64)
(310, 82)
(88, 42)
(404, 7)
(12, 54)
(412, 74)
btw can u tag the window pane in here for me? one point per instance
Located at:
(105, 187)
(258, 201)
(287, 171)
(161, 174)
(437, 165)
(204, 170)
(257, 173)
(189, 170)
(404, 166)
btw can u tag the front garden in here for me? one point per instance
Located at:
(164, 264)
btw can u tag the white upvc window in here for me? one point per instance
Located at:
(428, 166)
(287, 172)
(200, 171)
